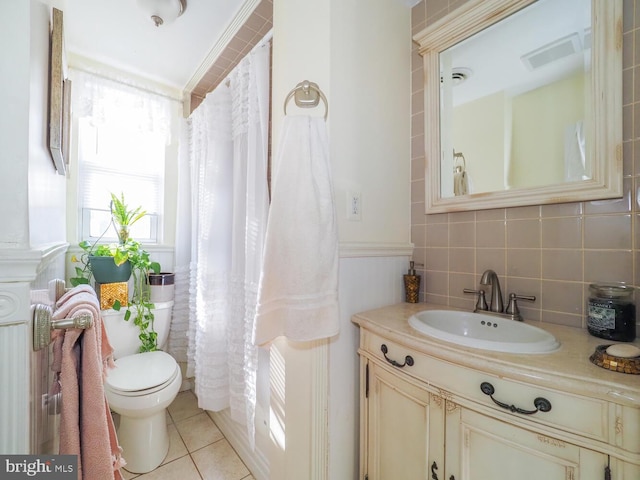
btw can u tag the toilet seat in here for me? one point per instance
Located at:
(142, 373)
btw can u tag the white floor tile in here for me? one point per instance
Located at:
(182, 468)
(184, 406)
(219, 461)
(198, 431)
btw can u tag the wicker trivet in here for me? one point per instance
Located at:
(618, 364)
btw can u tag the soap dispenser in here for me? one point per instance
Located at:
(411, 284)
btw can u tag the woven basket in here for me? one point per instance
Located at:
(618, 364)
(108, 293)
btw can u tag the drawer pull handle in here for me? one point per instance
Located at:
(541, 404)
(408, 360)
(434, 467)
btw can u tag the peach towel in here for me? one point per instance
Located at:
(81, 358)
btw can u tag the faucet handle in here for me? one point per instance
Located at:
(481, 304)
(512, 307)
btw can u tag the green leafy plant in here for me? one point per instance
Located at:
(141, 265)
(124, 217)
(140, 308)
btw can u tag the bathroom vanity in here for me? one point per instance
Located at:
(431, 409)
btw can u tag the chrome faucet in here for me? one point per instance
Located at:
(489, 277)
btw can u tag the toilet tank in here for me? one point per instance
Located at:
(123, 334)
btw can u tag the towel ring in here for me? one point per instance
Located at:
(457, 167)
(307, 95)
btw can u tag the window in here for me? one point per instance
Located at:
(117, 160)
(122, 137)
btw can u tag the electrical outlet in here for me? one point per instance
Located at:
(354, 206)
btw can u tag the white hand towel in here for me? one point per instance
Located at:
(298, 294)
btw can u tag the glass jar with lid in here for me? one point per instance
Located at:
(611, 313)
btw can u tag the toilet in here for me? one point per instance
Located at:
(140, 388)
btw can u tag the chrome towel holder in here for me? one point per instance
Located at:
(307, 94)
(43, 324)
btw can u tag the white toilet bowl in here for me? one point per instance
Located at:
(140, 389)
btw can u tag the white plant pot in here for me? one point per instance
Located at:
(161, 286)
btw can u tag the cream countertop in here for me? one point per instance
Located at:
(567, 369)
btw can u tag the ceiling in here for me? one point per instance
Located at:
(118, 34)
(493, 63)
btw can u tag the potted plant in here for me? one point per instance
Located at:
(135, 262)
(123, 217)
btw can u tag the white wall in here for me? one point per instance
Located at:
(47, 209)
(30, 204)
(31, 193)
(358, 52)
(14, 121)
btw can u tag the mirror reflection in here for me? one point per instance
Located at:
(587, 134)
(514, 102)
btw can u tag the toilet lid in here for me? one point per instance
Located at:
(141, 371)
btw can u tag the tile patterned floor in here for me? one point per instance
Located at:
(197, 450)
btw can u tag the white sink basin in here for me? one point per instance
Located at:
(484, 331)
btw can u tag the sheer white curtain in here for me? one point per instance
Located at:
(227, 207)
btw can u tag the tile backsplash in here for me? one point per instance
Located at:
(550, 251)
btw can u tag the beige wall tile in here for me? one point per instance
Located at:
(523, 233)
(617, 205)
(523, 262)
(436, 283)
(462, 260)
(462, 234)
(437, 259)
(607, 231)
(563, 297)
(417, 190)
(608, 266)
(562, 265)
(532, 211)
(417, 214)
(492, 214)
(562, 232)
(418, 234)
(491, 234)
(524, 286)
(491, 259)
(458, 282)
(437, 235)
(462, 217)
(560, 318)
(561, 210)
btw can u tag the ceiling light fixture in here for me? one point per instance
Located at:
(163, 11)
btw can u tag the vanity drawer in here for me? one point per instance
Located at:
(575, 414)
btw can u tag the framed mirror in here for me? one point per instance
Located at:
(523, 104)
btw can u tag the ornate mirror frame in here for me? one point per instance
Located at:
(605, 146)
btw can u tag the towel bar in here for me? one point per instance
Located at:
(43, 325)
(42, 314)
(307, 95)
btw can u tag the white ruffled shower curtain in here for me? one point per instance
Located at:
(222, 211)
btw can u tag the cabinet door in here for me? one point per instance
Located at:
(404, 427)
(481, 447)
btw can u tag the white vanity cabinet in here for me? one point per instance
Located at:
(403, 426)
(426, 412)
